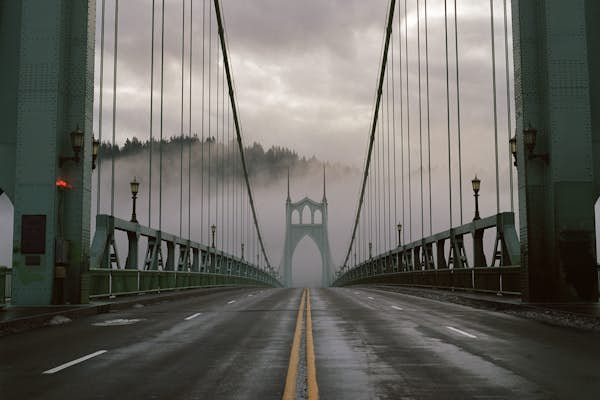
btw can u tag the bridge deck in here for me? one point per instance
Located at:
(236, 344)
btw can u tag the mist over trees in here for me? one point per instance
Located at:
(219, 159)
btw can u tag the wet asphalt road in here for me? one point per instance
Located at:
(369, 344)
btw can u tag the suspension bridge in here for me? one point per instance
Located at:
(98, 237)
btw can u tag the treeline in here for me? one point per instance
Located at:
(214, 158)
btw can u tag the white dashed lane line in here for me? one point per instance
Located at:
(192, 316)
(71, 363)
(231, 302)
(397, 308)
(467, 334)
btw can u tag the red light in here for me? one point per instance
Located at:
(62, 184)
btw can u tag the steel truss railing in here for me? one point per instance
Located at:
(196, 264)
(441, 260)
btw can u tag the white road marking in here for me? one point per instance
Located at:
(370, 298)
(356, 293)
(250, 295)
(71, 363)
(193, 316)
(397, 308)
(462, 332)
(231, 302)
(118, 322)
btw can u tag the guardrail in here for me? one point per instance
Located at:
(107, 282)
(415, 263)
(5, 284)
(197, 265)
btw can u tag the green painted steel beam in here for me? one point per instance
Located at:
(51, 49)
(555, 91)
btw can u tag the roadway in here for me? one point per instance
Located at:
(368, 344)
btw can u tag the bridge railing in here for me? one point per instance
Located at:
(186, 264)
(442, 260)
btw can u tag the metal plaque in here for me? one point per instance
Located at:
(33, 234)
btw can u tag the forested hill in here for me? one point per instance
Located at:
(220, 159)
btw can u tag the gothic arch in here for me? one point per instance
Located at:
(308, 226)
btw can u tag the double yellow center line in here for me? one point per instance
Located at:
(289, 392)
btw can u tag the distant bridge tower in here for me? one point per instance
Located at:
(308, 224)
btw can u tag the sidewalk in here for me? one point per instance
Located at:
(20, 318)
(575, 315)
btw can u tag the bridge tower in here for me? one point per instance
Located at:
(47, 81)
(307, 225)
(557, 95)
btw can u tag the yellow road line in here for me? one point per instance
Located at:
(289, 393)
(311, 374)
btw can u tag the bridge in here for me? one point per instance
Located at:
(160, 268)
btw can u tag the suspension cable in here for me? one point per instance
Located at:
(237, 128)
(151, 144)
(508, 106)
(100, 107)
(394, 135)
(428, 117)
(202, 123)
(420, 115)
(181, 119)
(401, 93)
(114, 110)
(373, 126)
(460, 175)
(408, 152)
(495, 106)
(448, 115)
(190, 125)
(162, 89)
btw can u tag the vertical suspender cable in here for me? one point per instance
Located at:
(237, 129)
(448, 114)
(389, 175)
(203, 143)
(495, 106)
(408, 152)
(190, 127)
(210, 138)
(401, 92)
(114, 110)
(162, 89)
(100, 107)
(222, 169)
(428, 117)
(420, 116)
(151, 144)
(217, 160)
(394, 138)
(373, 126)
(460, 188)
(181, 118)
(508, 108)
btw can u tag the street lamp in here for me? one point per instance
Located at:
(242, 251)
(95, 149)
(476, 182)
(513, 148)
(134, 185)
(530, 137)
(213, 229)
(399, 228)
(370, 250)
(76, 144)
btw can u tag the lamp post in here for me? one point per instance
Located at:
(95, 149)
(476, 182)
(213, 230)
(370, 250)
(76, 144)
(399, 228)
(530, 138)
(134, 185)
(242, 251)
(513, 148)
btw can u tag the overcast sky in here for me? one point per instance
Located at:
(305, 75)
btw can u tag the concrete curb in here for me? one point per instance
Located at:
(540, 313)
(43, 319)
